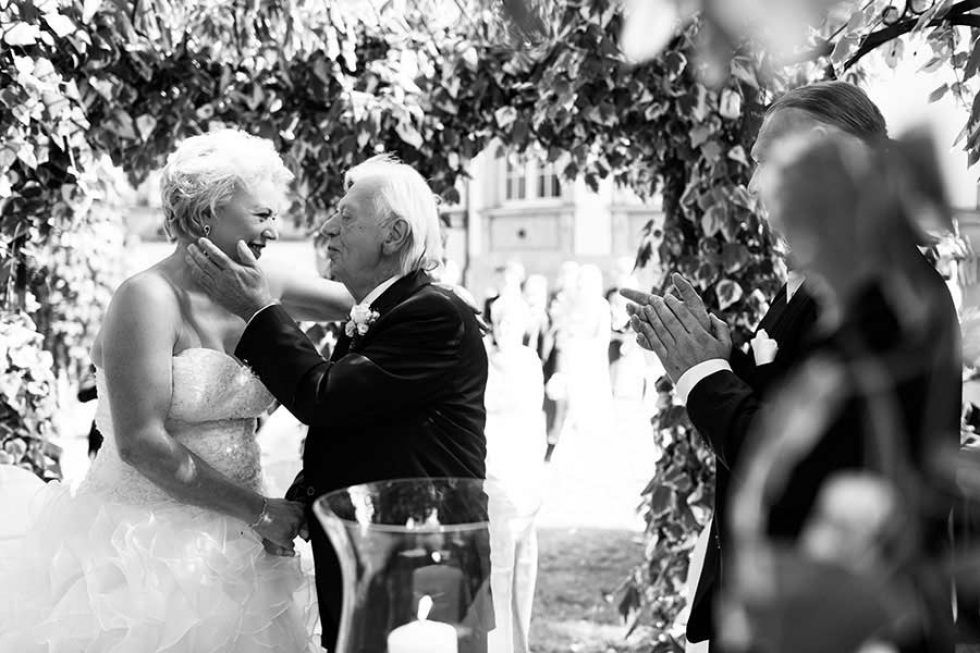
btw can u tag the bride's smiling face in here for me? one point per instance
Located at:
(249, 215)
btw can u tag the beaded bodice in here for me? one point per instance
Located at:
(213, 411)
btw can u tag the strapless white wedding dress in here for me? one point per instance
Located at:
(121, 566)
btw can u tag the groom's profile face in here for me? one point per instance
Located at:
(354, 237)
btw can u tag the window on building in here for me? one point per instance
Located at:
(548, 182)
(516, 180)
(529, 179)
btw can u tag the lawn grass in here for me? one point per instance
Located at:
(575, 607)
(574, 611)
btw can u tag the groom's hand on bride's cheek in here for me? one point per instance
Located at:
(240, 286)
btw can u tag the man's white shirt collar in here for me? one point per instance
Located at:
(793, 282)
(379, 290)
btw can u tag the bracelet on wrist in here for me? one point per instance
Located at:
(263, 515)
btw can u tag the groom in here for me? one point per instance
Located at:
(402, 394)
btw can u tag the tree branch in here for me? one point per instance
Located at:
(957, 15)
(963, 7)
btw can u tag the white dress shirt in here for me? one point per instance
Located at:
(379, 290)
(685, 384)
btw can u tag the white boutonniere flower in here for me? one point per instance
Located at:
(361, 319)
(764, 348)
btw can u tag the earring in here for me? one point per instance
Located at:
(207, 230)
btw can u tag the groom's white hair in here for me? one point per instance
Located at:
(400, 192)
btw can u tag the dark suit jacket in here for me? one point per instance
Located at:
(404, 400)
(722, 408)
(924, 371)
(912, 374)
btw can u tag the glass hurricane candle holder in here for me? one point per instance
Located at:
(431, 564)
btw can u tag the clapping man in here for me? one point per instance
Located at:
(723, 387)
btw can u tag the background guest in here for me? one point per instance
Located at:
(516, 445)
(584, 343)
(560, 308)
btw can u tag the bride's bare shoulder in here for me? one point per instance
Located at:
(143, 299)
(149, 286)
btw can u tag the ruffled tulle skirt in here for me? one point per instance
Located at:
(81, 573)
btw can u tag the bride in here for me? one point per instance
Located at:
(169, 543)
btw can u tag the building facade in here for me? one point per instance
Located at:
(519, 208)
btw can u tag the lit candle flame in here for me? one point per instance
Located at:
(425, 606)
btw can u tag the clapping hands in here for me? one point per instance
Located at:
(678, 327)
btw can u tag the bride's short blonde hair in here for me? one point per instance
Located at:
(206, 170)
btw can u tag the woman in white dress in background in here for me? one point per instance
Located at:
(169, 544)
(516, 446)
(585, 355)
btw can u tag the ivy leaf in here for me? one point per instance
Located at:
(27, 155)
(655, 110)
(408, 133)
(713, 220)
(671, 417)
(505, 116)
(893, 52)
(843, 49)
(145, 125)
(711, 151)
(630, 602)
(700, 135)
(963, 133)
(661, 501)
(730, 104)
(89, 8)
(470, 57)
(124, 125)
(731, 229)
(674, 63)
(60, 24)
(7, 158)
(728, 293)
(737, 154)
(706, 274)
(739, 195)
(742, 72)
(734, 256)
(973, 63)
(592, 182)
(856, 22)
(22, 34)
(933, 65)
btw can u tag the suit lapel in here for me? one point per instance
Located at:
(389, 299)
(775, 311)
(342, 347)
(786, 321)
(399, 291)
(781, 314)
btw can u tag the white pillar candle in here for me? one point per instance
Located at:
(423, 636)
